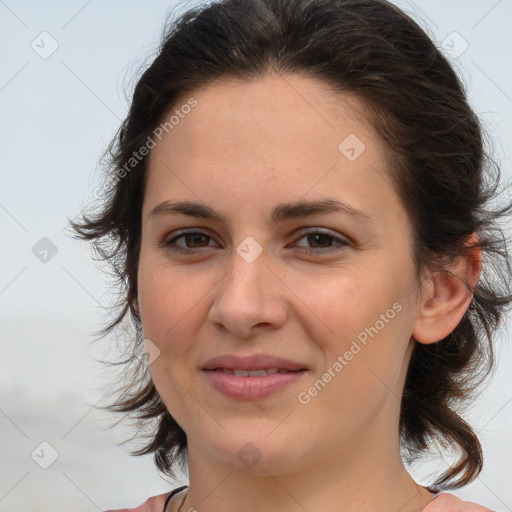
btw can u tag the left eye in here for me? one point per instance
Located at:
(197, 240)
(324, 240)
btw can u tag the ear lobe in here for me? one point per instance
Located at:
(445, 298)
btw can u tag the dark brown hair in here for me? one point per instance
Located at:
(437, 161)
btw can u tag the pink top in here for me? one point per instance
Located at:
(443, 502)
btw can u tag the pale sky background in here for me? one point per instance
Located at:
(57, 116)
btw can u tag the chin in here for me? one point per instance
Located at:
(257, 451)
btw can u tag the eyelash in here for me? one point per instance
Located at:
(169, 243)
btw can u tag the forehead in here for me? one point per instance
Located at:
(271, 136)
(234, 116)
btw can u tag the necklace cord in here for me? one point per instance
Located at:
(186, 494)
(183, 502)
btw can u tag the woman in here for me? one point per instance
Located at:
(298, 201)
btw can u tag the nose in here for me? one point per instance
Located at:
(249, 298)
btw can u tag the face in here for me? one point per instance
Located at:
(298, 248)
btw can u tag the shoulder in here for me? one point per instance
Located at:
(447, 502)
(444, 502)
(153, 504)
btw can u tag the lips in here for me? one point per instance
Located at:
(256, 362)
(251, 373)
(254, 377)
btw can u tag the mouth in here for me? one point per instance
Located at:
(247, 387)
(252, 365)
(255, 377)
(254, 373)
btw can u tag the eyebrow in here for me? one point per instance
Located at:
(280, 213)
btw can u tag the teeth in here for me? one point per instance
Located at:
(253, 373)
(257, 373)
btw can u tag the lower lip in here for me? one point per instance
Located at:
(251, 388)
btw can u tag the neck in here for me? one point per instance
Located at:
(347, 480)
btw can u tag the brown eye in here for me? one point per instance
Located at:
(321, 242)
(193, 240)
(320, 239)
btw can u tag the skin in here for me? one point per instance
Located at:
(245, 148)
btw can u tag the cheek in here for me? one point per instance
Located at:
(353, 302)
(170, 306)
(157, 308)
(368, 321)
(170, 301)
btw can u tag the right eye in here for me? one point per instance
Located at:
(193, 240)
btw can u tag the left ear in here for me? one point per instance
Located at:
(445, 297)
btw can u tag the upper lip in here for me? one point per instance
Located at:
(252, 362)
